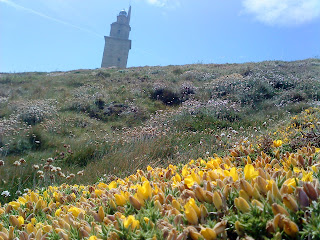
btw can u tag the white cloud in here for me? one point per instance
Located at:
(283, 12)
(159, 3)
(164, 3)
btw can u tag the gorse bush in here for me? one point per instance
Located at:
(246, 193)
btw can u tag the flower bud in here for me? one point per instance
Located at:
(256, 193)
(226, 191)
(239, 228)
(275, 191)
(209, 197)
(270, 198)
(13, 220)
(220, 227)
(158, 205)
(23, 236)
(310, 191)
(241, 204)
(270, 228)
(11, 232)
(290, 228)
(290, 203)
(278, 221)
(100, 213)
(246, 187)
(244, 195)
(193, 233)
(262, 185)
(191, 215)
(276, 208)
(135, 202)
(208, 234)
(200, 194)
(257, 203)
(302, 197)
(204, 211)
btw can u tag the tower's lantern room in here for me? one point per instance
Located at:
(117, 45)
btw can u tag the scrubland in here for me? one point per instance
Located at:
(202, 151)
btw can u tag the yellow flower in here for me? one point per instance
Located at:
(191, 214)
(75, 211)
(208, 234)
(192, 203)
(58, 212)
(22, 200)
(176, 178)
(185, 171)
(146, 220)
(269, 185)
(188, 180)
(93, 237)
(122, 198)
(57, 196)
(14, 204)
(291, 182)
(102, 185)
(98, 192)
(307, 176)
(21, 220)
(296, 170)
(33, 221)
(112, 185)
(314, 168)
(30, 228)
(145, 191)
(277, 143)
(191, 179)
(130, 221)
(234, 174)
(249, 172)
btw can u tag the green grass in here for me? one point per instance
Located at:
(111, 122)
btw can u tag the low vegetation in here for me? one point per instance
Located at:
(68, 139)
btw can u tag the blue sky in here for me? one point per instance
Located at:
(59, 35)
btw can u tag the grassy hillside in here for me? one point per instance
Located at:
(177, 152)
(110, 122)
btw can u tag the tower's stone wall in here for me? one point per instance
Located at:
(116, 52)
(117, 45)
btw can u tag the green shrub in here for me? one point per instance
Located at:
(177, 71)
(167, 96)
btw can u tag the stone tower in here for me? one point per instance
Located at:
(117, 45)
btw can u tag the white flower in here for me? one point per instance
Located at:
(5, 193)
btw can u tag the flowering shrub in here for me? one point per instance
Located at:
(33, 112)
(212, 198)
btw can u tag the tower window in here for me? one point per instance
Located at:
(118, 31)
(118, 59)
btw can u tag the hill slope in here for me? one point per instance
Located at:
(177, 152)
(111, 122)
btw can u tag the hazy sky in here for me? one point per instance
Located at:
(52, 35)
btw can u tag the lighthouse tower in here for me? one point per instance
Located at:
(117, 45)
